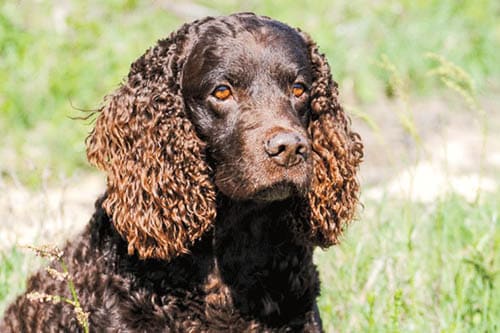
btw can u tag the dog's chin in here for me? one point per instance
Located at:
(261, 191)
(278, 192)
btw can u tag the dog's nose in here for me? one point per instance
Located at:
(287, 149)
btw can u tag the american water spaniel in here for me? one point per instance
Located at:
(228, 160)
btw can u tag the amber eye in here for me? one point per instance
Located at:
(298, 89)
(222, 92)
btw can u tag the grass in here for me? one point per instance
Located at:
(62, 275)
(15, 265)
(50, 70)
(431, 269)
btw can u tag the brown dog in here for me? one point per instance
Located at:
(229, 159)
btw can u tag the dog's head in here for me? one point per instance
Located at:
(240, 104)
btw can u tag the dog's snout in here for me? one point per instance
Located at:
(287, 149)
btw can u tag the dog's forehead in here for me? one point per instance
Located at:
(239, 55)
(269, 42)
(272, 47)
(269, 46)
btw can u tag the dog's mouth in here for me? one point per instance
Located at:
(263, 185)
(278, 192)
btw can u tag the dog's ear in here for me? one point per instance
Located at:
(337, 153)
(159, 196)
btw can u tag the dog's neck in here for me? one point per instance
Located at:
(267, 268)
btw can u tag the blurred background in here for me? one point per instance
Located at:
(420, 79)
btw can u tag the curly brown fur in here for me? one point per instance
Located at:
(213, 205)
(338, 151)
(159, 191)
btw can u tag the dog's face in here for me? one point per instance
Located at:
(242, 105)
(248, 97)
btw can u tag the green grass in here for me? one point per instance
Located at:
(409, 267)
(15, 265)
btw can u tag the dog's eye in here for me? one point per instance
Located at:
(298, 89)
(222, 92)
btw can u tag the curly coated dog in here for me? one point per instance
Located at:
(228, 160)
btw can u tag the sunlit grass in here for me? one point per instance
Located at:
(438, 272)
(15, 265)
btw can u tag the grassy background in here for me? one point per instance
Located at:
(405, 266)
(59, 57)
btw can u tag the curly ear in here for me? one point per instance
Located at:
(159, 193)
(337, 153)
